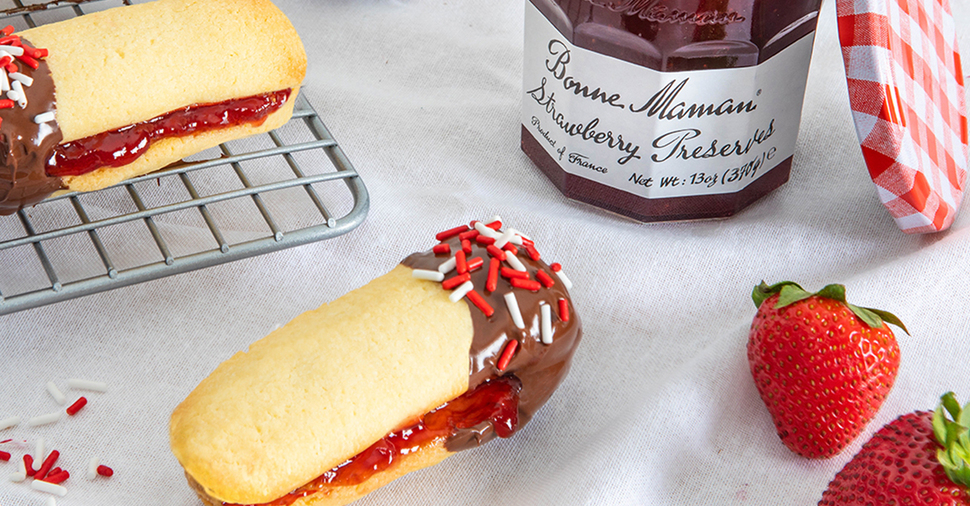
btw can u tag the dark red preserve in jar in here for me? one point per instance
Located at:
(665, 109)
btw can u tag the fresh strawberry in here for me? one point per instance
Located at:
(919, 458)
(822, 366)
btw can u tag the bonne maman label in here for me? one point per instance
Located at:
(659, 134)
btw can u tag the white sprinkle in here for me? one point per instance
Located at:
(21, 473)
(44, 117)
(40, 453)
(546, 323)
(514, 312)
(520, 234)
(494, 219)
(483, 230)
(4, 81)
(44, 419)
(503, 239)
(461, 291)
(8, 422)
(51, 501)
(514, 261)
(448, 266)
(13, 95)
(13, 50)
(565, 281)
(19, 88)
(428, 275)
(516, 239)
(56, 393)
(24, 79)
(93, 468)
(81, 384)
(50, 488)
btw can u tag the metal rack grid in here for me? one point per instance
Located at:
(242, 199)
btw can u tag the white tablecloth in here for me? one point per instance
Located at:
(659, 408)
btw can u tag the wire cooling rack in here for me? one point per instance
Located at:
(286, 188)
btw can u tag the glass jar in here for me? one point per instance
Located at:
(665, 109)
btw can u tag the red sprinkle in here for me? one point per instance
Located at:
(510, 273)
(452, 283)
(507, 353)
(6, 103)
(11, 67)
(461, 264)
(4, 456)
(466, 246)
(491, 284)
(528, 241)
(467, 236)
(35, 52)
(78, 404)
(28, 61)
(29, 465)
(5, 60)
(54, 471)
(495, 252)
(480, 303)
(527, 284)
(7, 30)
(6, 441)
(533, 252)
(47, 465)
(475, 264)
(511, 248)
(442, 249)
(563, 310)
(448, 234)
(546, 279)
(485, 241)
(556, 267)
(105, 471)
(58, 477)
(495, 225)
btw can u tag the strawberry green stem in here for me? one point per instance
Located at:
(790, 292)
(954, 437)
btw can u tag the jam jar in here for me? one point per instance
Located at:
(665, 110)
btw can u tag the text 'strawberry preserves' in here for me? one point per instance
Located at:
(665, 109)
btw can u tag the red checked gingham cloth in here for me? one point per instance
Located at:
(906, 90)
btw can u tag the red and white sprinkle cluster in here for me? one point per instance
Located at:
(40, 465)
(503, 247)
(14, 53)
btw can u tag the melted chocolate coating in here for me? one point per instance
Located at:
(538, 366)
(25, 146)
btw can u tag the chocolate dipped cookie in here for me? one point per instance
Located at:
(104, 97)
(452, 348)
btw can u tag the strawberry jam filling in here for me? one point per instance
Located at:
(495, 402)
(122, 146)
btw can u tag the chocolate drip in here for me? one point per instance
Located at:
(538, 366)
(25, 146)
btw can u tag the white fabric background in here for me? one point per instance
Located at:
(659, 408)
